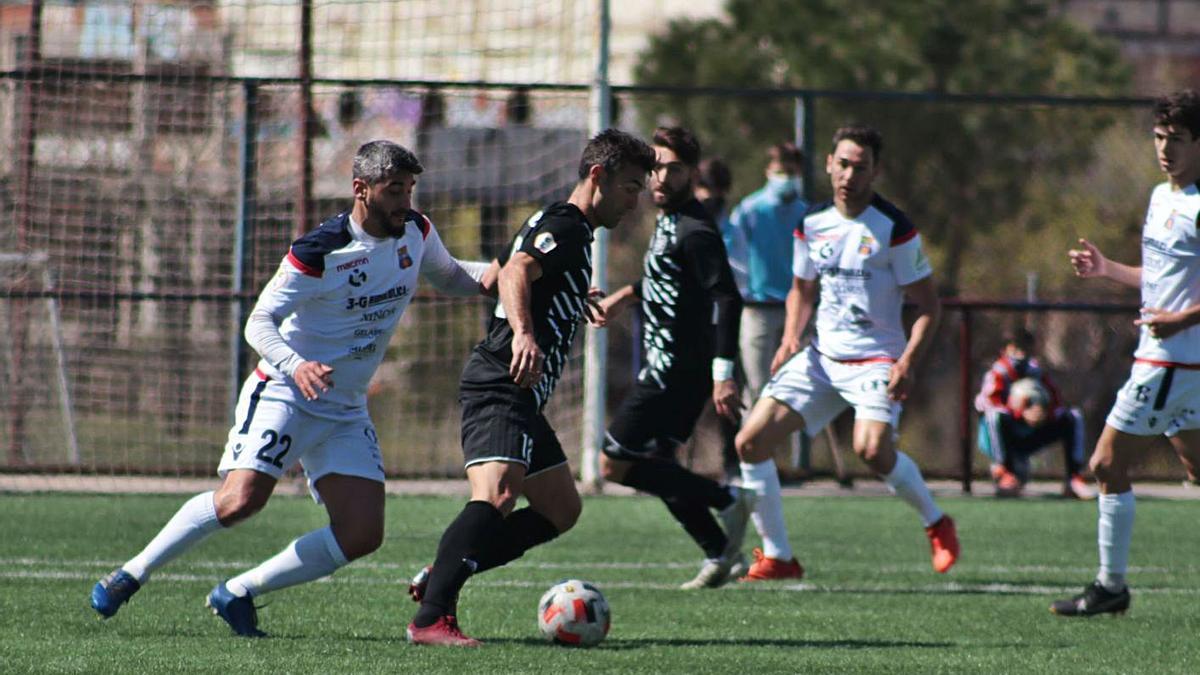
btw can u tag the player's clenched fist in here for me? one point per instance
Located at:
(313, 379)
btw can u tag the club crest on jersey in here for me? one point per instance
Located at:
(544, 242)
(405, 259)
(1170, 223)
(866, 245)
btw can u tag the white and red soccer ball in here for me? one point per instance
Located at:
(574, 613)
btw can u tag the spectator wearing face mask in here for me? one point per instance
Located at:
(1021, 412)
(758, 236)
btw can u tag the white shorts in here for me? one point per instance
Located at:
(270, 434)
(819, 389)
(1157, 400)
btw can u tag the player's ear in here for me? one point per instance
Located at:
(596, 172)
(360, 188)
(829, 163)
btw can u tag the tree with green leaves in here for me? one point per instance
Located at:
(959, 169)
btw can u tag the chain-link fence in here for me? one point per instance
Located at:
(151, 184)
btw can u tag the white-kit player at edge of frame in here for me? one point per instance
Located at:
(322, 326)
(863, 256)
(1162, 394)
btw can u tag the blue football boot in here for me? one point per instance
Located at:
(239, 613)
(113, 591)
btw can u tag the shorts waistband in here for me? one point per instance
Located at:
(860, 362)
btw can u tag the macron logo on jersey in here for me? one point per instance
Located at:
(352, 264)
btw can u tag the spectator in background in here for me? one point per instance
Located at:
(712, 188)
(1021, 412)
(713, 180)
(758, 236)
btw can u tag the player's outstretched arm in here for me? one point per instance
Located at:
(613, 304)
(799, 307)
(448, 274)
(1089, 263)
(929, 312)
(516, 288)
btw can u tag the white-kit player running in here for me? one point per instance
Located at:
(864, 256)
(322, 326)
(1162, 395)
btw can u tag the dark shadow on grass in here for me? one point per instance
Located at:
(642, 643)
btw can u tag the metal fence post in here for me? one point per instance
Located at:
(805, 135)
(305, 198)
(247, 197)
(964, 396)
(27, 156)
(596, 342)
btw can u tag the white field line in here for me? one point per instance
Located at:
(416, 564)
(9, 570)
(948, 588)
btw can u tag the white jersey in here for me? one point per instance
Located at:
(862, 262)
(337, 298)
(1171, 271)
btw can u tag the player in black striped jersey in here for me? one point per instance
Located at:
(692, 308)
(510, 448)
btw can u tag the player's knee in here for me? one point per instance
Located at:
(504, 499)
(362, 540)
(747, 446)
(867, 450)
(566, 514)
(612, 470)
(237, 503)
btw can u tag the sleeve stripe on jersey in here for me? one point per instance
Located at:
(299, 265)
(425, 224)
(904, 237)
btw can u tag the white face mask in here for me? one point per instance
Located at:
(783, 185)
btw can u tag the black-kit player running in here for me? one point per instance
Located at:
(509, 447)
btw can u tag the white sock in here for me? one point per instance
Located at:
(194, 521)
(310, 557)
(763, 478)
(1113, 535)
(906, 481)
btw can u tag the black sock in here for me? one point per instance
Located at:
(470, 532)
(671, 481)
(521, 531)
(697, 520)
(729, 429)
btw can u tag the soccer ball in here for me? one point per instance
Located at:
(1027, 392)
(574, 613)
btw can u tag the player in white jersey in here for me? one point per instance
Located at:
(863, 256)
(321, 326)
(1162, 395)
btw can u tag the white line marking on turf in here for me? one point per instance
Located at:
(948, 588)
(916, 567)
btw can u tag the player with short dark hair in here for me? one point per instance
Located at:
(509, 446)
(863, 256)
(1162, 395)
(691, 308)
(328, 313)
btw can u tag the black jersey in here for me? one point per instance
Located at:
(690, 301)
(560, 238)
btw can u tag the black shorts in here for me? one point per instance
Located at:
(501, 423)
(653, 421)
